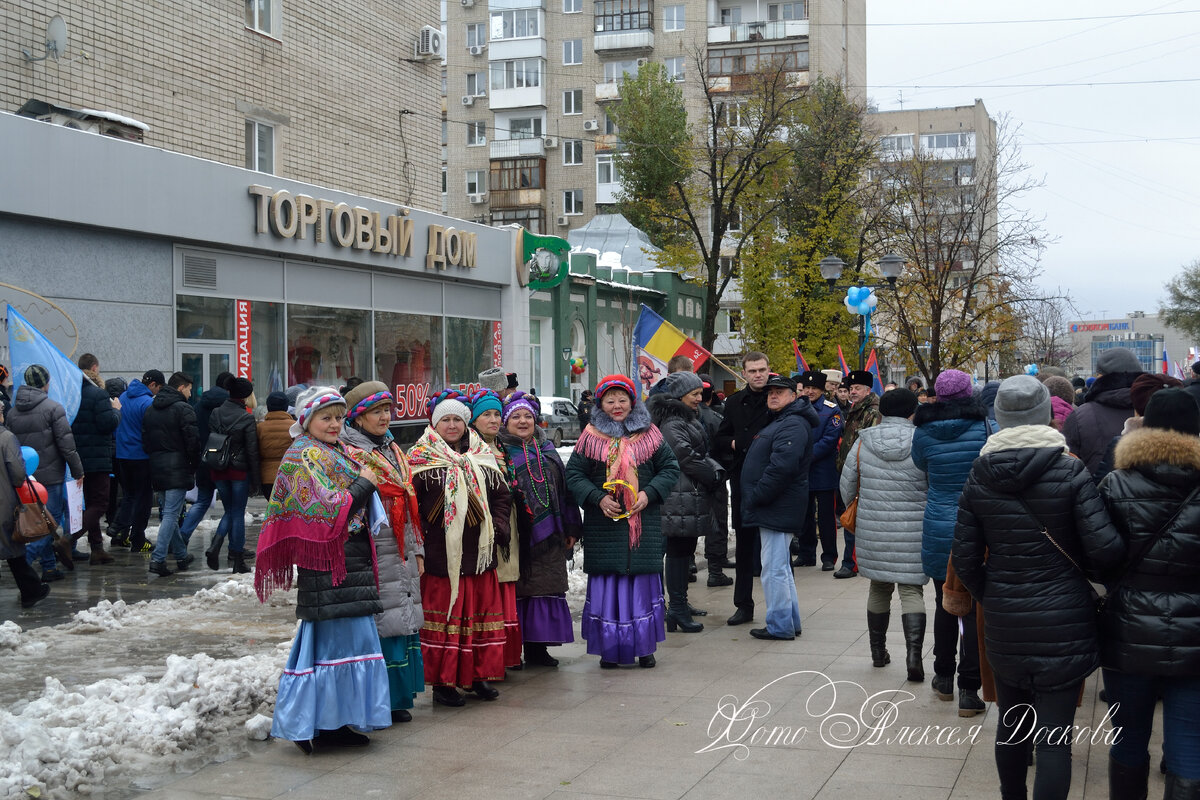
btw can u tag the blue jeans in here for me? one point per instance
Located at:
(204, 498)
(233, 496)
(779, 586)
(42, 550)
(169, 538)
(1133, 698)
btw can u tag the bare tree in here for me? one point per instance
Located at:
(1045, 339)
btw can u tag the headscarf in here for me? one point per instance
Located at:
(394, 479)
(309, 403)
(519, 399)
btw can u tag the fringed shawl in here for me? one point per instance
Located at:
(540, 478)
(464, 495)
(395, 481)
(622, 456)
(307, 521)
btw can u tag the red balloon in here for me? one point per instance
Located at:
(24, 495)
(576, 370)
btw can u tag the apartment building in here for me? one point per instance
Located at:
(525, 135)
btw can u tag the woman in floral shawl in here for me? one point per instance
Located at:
(399, 550)
(464, 507)
(335, 676)
(548, 525)
(620, 473)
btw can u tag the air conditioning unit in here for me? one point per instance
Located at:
(591, 125)
(642, 61)
(476, 199)
(468, 3)
(550, 142)
(563, 221)
(430, 43)
(477, 49)
(468, 99)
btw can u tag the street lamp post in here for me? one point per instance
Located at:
(891, 265)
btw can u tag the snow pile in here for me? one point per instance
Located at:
(576, 582)
(68, 743)
(108, 615)
(10, 635)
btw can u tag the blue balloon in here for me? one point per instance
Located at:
(31, 460)
(855, 295)
(864, 308)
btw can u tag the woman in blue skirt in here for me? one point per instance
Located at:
(336, 678)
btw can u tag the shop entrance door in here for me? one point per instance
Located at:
(204, 362)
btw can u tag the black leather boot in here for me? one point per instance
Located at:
(238, 562)
(877, 625)
(675, 570)
(914, 640)
(1181, 788)
(1127, 783)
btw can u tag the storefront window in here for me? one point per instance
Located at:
(203, 317)
(327, 345)
(266, 348)
(408, 358)
(468, 349)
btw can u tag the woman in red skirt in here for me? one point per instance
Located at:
(464, 505)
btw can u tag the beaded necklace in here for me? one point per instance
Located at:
(538, 480)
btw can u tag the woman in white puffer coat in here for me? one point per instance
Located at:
(891, 492)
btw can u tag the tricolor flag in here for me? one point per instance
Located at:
(842, 361)
(1178, 371)
(655, 342)
(873, 368)
(1166, 365)
(801, 364)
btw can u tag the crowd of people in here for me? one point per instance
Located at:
(446, 565)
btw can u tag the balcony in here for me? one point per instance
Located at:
(517, 198)
(757, 31)
(534, 147)
(521, 97)
(607, 92)
(623, 40)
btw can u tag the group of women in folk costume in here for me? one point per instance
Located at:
(437, 567)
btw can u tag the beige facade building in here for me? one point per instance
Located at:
(526, 139)
(329, 92)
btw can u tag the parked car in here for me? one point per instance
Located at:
(560, 419)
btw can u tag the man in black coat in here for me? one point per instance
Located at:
(1104, 409)
(1192, 385)
(171, 438)
(716, 545)
(93, 430)
(210, 400)
(745, 415)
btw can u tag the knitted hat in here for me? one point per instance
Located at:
(365, 396)
(293, 393)
(813, 379)
(1060, 387)
(621, 382)
(484, 400)
(37, 376)
(677, 384)
(1022, 400)
(1118, 359)
(898, 403)
(1174, 409)
(308, 403)
(953, 384)
(1146, 385)
(277, 401)
(240, 388)
(494, 379)
(519, 399)
(833, 375)
(447, 403)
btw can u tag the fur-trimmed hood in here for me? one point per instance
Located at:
(638, 420)
(1153, 449)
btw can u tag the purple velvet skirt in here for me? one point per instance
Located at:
(545, 619)
(623, 616)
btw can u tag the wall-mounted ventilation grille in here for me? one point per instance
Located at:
(199, 272)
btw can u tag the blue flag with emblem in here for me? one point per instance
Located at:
(27, 346)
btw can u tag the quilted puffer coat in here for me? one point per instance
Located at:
(1039, 615)
(688, 509)
(1152, 620)
(891, 502)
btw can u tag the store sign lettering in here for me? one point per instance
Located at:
(412, 397)
(1084, 327)
(242, 332)
(297, 216)
(497, 345)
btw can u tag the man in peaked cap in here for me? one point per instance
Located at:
(822, 476)
(863, 413)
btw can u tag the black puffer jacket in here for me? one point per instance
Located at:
(93, 428)
(775, 472)
(688, 510)
(1038, 609)
(317, 599)
(232, 419)
(41, 423)
(1152, 620)
(172, 440)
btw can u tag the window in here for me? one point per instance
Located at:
(573, 52)
(573, 101)
(781, 11)
(408, 353)
(735, 115)
(468, 348)
(791, 56)
(573, 202)
(610, 125)
(445, 131)
(476, 34)
(477, 84)
(897, 143)
(572, 6)
(531, 219)
(675, 68)
(520, 23)
(476, 181)
(443, 81)
(525, 128)
(572, 152)
(516, 74)
(946, 141)
(261, 15)
(731, 16)
(444, 179)
(327, 345)
(615, 71)
(735, 221)
(623, 15)
(518, 173)
(476, 133)
(606, 169)
(672, 18)
(260, 146)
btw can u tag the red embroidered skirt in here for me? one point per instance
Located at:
(512, 625)
(468, 645)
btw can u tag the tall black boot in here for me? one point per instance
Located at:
(1181, 788)
(1127, 783)
(675, 570)
(877, 625)
(914, 640)
(238, 562)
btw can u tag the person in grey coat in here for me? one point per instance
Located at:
(891, 490)
(12, 475)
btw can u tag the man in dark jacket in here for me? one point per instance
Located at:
(172, 441)
(822, 477)
(93, 429)
(716, 545)
(779, 459)
(1192, 385)
(863, 413)
(1105, 407)
(745, 415)
(133, 465)
(210, 400)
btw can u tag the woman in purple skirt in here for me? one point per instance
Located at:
(548, 524)
(620, 473)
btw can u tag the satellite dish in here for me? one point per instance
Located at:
(56, 41)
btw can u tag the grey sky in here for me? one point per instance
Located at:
(1121, 163)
